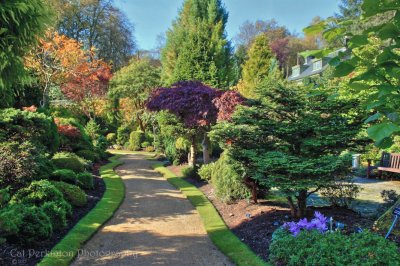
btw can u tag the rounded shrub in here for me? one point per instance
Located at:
(25, 224)
(68, 160)
(65, 175)
(37, 193)
(72, 194)
(315, 248)
(111, 138)
(205, 171)
(88, 155)
(123, 134)
(189, 172)
(56, 213)
(85, 180)
(227, 183)
(136, 139)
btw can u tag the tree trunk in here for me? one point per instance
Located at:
(192, 154)
(293, 209)
(206, 148)
(250, 183)
(141, 124)
(301, 203)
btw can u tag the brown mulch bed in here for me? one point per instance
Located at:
(14, 254)
(254, 224)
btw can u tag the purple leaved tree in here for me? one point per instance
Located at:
(198, 106)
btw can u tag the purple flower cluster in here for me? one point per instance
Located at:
(319, 222)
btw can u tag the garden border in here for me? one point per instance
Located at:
(66, 250)
(223, 238)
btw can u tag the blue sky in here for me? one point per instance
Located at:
(152, 17)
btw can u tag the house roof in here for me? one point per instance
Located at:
(308, 66)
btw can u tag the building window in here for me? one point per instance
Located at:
(317, 65)
(295, 71)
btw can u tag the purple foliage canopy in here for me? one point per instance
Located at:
(197, 104)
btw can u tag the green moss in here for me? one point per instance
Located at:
(89, 224)
(216, 228)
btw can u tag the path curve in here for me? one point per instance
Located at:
(155, 224)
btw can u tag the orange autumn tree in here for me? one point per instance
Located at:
(61, 61)
(53, 59)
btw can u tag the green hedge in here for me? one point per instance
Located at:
(216, 228)
(89, 224)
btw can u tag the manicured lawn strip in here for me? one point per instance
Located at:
(65, 251)
(219, 233)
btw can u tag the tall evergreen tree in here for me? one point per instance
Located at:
(196, 46)
(258, 66)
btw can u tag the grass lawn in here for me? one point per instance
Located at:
(219, 233)
(65, 251)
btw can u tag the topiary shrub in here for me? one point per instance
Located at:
(25, 224)
(37, 128)
(65, 175)
(85, 180)
(315, 248)
(72, 194)
(111, 138)
(205, 171)
(228, 184)
(68, 160)
(88, 155)
(136, 139)
(57, 214)
(123, 134)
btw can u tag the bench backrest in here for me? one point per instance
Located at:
(391, 160)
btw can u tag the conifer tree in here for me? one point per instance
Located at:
(258, 67)
(196, 46)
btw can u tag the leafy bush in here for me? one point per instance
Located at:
(20, 163)
(68, 160)
(146, 144)
(37, 128)
(4, 197)
(189, 172)
(205, 171)
(73, 194)
(111, 138)
(227, 183)
(71, 140)
(65, 175)
(341, 193)
(85, 180)
(123, 134)
(37, 193)
(136, 139)
(314, 248)
(92, 129)
(26, 224)
(101, 144)
(57, 214)
(88, 155)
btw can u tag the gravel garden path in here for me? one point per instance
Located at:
(155, 224)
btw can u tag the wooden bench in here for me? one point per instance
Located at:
(389, 162)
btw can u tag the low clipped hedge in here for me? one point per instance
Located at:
(65, 175)
(85, 180)
(68, 160)
(314, 248)
(73, 194)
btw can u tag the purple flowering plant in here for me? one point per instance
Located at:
(319, 222)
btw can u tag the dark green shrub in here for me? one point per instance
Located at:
(85, 180)
(26, 224)
(227, 183)
(341, 193)
(205, 171)
(37, 193)
(67, 160)
(190, 172)
(88, 155)
(38, 128)
(111, 138)
(4, 197)
(136, 139)
(101, 144)
(314, 248)
(65, 175)
(123, 134)
(56, 213)
(92, 129)
(72, 194)
(74, 142)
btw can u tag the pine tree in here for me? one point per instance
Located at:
(196, 46)
(258, 67)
